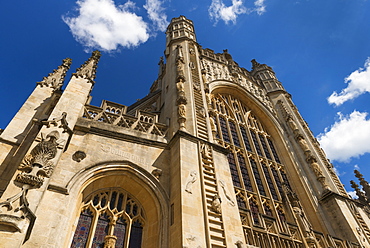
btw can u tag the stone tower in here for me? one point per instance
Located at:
(214, 156)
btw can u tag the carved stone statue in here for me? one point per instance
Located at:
(180, 85)
(216, 204)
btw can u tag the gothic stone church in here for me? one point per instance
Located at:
(214, 156)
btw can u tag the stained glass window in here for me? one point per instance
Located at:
(264, 146)
(245, 138)
(267, 209)
(234, 133)
(269, 181)
(136, 234)
(257, 177)
(120, 231)
(225, 133)
(274, 151)
(102, 205)
(281, 215)
(233, 170)
(241, 202)
(256, 144)
(253, 164)
(277, 180)
(254, 211)
(82, 229)
(101, 231)
(245, 174)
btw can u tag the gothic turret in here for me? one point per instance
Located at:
(180, 28)
(267, 76)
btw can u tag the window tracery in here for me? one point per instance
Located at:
(256, 169)
(109, 213)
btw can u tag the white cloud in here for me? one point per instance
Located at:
(219, 11)
(260, 6)
(358, 84)
(347, 138)
(352, 194)
(156, 14)
(103, 25)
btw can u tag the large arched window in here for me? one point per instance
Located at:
(256, 169)
(110, 216)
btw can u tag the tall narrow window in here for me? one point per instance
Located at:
(233, 170)
(256, 144)
(105, 206)
(254, 211)
(245, 174)
(274, 151)
(264, 146)
(269, 181)
(234, 133)
(82, 229)
(245, 138)
(257, 177)
(225, 133)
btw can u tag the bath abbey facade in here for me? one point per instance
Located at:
(214, 156)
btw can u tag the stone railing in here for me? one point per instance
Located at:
(142, 121)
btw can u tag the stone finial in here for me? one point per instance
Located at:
(255, 64)
(88, 69)
(365, 185)
(56, 78)
(359, 193)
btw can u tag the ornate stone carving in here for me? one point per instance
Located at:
(157, 173)
(365, 185)
(37, 165)
(110, 241)
(78, 156)
(60, 122)
(361, 196)
(240, 244)
(56, 78)
(216, 204)
(88, 69)
(189, 184)
(180, 81)
(226, 193)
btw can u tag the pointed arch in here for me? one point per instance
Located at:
(145, 210)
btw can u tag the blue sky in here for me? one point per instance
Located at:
(319, 50)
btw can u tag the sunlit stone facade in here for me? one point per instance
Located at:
(214, 156)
